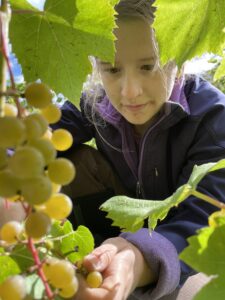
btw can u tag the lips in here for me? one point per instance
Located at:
(135, 107)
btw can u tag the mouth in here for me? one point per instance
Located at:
(136, 107)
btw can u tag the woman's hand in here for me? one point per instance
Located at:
(123, 268)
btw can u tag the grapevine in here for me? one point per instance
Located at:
(32, 175)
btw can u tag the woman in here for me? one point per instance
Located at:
(150, 130)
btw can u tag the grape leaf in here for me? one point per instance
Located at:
(72, 244)
(22, 256)
(55, 7)
(215, 290)
(200, 171)
(8, 266)
(49, 47)
(129, 214)
(220, 72)
(205, 253)
(186, 29)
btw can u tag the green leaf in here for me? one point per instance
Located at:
(52, 49)
(72, 244)
(215, 290)
(57, 7)
(22, 256)
(129, 214)
(8, 266)
(220, 72)
(205, 252)
(35, 286)
(200, 171)
(186, 29)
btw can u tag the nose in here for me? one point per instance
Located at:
(131, 87)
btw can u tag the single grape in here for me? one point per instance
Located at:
(52, 113)
(61, 171)
(33, 127)
(45, 147)
(60, 273)
(11, 231)
(37, 225)
(13, 288)
(59, 206)
(3, 158)
(9, 184)
(36, 126)
(27, 162)
(13, 132)
(9, 110)
(36, 190)
(94, 279)
(69, 290)
(38, 94)
(62, 139)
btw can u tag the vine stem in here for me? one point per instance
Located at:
(208, 199)
(6, 59)
(40, 272)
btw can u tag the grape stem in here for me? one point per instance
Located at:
(40, 272)
(6, 59)
(208, 199)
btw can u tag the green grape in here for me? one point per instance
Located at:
(36, 190)
(60, 273)
(62, 139)
(69, 290)
(46, 148)
(3, 158)
(33, 127)
(11, 231)
(36, 126)
(37, 225)
(9, 110)
(9, 184)
(12, 132)
(38, 94)
(27, 162)
(61, 171)
(52, 113)
(58, 207)
(94, 279)
(13, 288)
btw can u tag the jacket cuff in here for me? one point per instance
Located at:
(162, 257)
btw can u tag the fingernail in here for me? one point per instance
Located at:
(95, 262)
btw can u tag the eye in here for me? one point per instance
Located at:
(147, 67)
(112, 70)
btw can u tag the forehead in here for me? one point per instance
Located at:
(134, 40)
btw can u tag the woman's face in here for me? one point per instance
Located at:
(135, 85)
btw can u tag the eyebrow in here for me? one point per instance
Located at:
(152, 58)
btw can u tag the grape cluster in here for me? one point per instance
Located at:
(31, 173)
(33, 168)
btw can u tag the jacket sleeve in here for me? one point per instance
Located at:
(75, 121)
(190, 215)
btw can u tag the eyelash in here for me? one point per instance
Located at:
(143, 67)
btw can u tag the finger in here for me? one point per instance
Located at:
(100, 258)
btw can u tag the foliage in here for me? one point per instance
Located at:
(129, 214)
(182, 37)
(60, 39)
